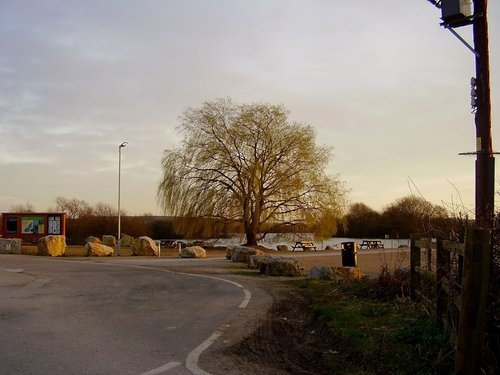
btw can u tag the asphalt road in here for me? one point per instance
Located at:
(118, 316)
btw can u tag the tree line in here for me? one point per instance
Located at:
(399, 219)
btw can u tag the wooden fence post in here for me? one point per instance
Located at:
(442, 271)
(473, 308)
(414, 268)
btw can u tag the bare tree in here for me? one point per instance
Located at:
(22, 207)
(105, 209)
(249, 164)
(74, 208)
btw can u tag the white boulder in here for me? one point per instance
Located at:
(126, 241)
(92, 239)
(10, 245)
(95, 249)
(193, 252)
(347, 273)
(145, 246)
(254, 261)
(108, 240)
(242, 253)
(321, 273)
(280, 266)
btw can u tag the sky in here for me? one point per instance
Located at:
(380, 81)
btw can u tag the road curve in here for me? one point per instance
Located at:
(113, 317)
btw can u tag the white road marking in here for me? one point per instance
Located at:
(194, 355)
(246, 300)
(162, 369)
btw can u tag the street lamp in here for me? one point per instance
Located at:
(119, 183)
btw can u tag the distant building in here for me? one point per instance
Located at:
(31, 226)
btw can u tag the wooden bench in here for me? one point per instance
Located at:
(371, 244)
(304, 245)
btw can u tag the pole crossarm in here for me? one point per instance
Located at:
(436, 3)
(464, 42)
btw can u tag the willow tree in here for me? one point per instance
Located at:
(249, 164)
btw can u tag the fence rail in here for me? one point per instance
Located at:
(451, 278)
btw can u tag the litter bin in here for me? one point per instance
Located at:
(349, 254)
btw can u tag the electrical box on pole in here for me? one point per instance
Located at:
(456, 13)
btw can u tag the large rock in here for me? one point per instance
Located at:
(144, 246)
(10, 245)
(254, 261)
(92, 239)
(282, 248)
(126, 241)
(280, 266)
(52, 245)
(109, 240)
(95, 249)
(242, 253)
(347, 273)
(193, 252)
(321, 273)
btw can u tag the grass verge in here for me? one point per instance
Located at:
(376, 332)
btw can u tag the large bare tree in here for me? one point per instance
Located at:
(249, 164)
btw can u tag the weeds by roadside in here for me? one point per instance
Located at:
(377, 328)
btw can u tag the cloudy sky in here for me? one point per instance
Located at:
(380, 81)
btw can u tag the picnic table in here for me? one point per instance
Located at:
(304, 245)
(371, 244)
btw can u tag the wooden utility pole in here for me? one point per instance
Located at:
(470, 336)
(478, 248)
(485, 162)
(478, 244)
(476, 263)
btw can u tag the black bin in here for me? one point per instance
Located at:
(349, 254)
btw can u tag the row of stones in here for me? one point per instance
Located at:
(286, 266)
(56, 246)
(254, 258)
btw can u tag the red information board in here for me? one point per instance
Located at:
(32, 226)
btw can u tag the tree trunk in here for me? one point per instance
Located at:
(251, 237)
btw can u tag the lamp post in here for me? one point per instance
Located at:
(119, 186)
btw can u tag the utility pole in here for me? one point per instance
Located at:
(478, 246)
(456, 13)
(485, 162)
